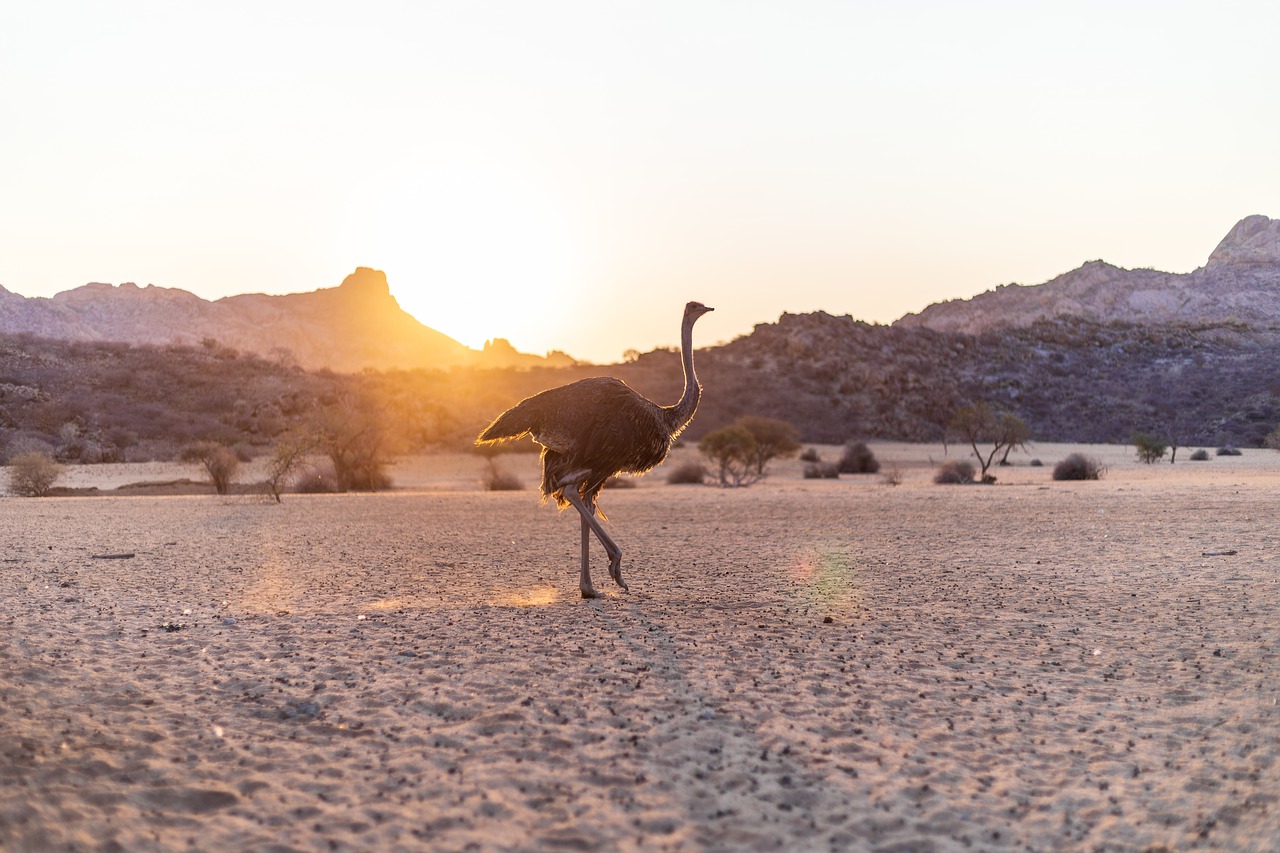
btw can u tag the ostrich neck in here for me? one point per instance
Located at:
(682, 412)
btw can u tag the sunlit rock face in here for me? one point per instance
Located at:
(1254, 241)
(1240, 283)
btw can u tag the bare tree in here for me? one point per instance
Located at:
(351, 433)
(287, 459)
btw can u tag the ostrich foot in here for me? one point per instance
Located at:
(615, 572)
(590, 592)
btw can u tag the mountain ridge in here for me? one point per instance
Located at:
(1240, 282)
(352, 327)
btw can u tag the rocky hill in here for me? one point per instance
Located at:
(348, 328)
(1090, 357)
(1070, 379)
(1240, 283)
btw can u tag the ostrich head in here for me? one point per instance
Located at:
(695, 310)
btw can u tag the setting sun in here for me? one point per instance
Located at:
(469, 251)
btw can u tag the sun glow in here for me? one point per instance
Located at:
(469, 251)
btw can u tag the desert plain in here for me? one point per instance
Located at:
(800, 665)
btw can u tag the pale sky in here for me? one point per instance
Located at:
(567, 175)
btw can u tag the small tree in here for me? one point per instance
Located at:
(1150, 447)
(773, 439)
(1014, 433)
(742, 451)
(732, 451)
(32, 475)
(218, 459)
(980, 424)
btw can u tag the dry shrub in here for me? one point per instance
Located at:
(619, 483)
(954, 472)
(1077, 466)
(858, 459)
(219, 460)
(1200, 455)
(1230, 451)
(32, 475)
(892, 476)
(810, 455)
(688, 473)
(316, 482)
(821, 471)
(496, 479)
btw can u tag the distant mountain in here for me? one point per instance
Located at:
(348, 328)
(1240, 283)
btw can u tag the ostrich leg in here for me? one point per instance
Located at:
(584, 582)
(611, 548)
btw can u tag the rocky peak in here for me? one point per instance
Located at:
(1254, 240)
(366, 280)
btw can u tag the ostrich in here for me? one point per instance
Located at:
(593, 429)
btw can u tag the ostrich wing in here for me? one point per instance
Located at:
(599, 423)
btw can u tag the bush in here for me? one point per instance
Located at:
(951, 471)
(1230, 451)
(1200, 455)
(821, 471)
(1077, 466)
(32, 475)
(858, 459)
(810, 455)
(497, 480)
(688, 473)
(892, 476)
(1036, 463)
(316, 482)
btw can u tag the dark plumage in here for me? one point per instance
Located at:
(595, 428)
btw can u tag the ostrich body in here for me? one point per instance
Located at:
(593, 429)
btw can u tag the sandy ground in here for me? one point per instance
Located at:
(801, 665)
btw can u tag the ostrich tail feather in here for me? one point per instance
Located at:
(508, 426)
